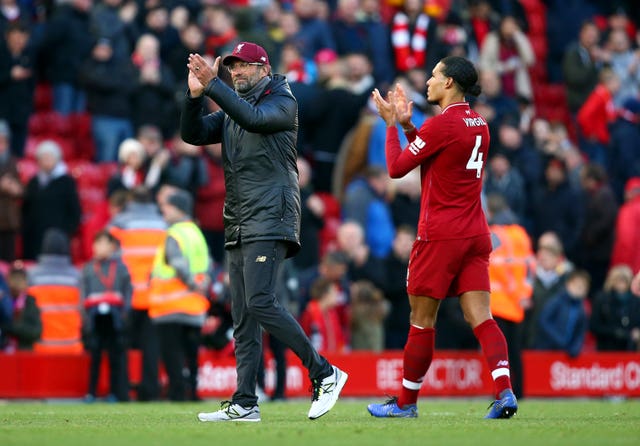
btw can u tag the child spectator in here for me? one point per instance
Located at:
(368, 311)
(321, 321)
(106, 296)
(23, 326)
(563, 321)
(613, 313)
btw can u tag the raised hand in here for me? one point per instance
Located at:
(386, 108)
(403, 108)
(200, 73)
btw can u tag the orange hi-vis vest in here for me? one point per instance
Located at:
(511, 268)
(58, 298)
(169, 295)
(138, 245)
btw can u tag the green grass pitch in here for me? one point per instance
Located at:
(544, 422)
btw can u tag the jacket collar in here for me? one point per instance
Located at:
(256, 92)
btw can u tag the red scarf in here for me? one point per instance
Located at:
(296, 72)
(410, 51)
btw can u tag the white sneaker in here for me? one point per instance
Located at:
(231, 412)
(326, 393)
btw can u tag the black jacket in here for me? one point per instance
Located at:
(109, 86)
(55, 205)
(65, 43)
(258, 136)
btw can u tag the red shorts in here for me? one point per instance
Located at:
(447, 268)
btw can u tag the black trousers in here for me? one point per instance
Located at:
(8, 246)
(253, 269)
(279, 350)
(144, 338)
(105, 338)
(179, 348)
(513, 334)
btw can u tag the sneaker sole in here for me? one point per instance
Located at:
(341, 382)
(233, 420)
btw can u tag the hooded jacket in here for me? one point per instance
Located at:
(258, 134)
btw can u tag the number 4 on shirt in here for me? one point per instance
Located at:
(475, 160)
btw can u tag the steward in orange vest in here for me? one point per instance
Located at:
(141, 230)
(178, 301)
(511, 268)
(55, 284)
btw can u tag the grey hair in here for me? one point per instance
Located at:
(129, 146)
(49, 147)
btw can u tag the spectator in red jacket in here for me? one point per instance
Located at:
(210, 201)
(627, 236)
(595, 115)
(321, 320)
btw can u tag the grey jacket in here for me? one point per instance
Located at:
(92, 283)
(258, 134)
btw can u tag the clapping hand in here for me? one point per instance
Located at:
(386, 108)
(403, 108)
(200, 73)
(396, 108)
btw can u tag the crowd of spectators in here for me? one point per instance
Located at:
(570, 180)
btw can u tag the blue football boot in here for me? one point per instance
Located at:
(390, 409)
(505, 407)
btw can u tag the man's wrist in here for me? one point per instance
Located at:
(409, 128)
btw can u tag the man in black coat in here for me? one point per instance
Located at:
(50, 200)
(17, 83)
(257, 126)
(65, 43)
(106, 78)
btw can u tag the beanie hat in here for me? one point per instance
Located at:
(181, 199)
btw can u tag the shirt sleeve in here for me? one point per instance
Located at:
(422, 144)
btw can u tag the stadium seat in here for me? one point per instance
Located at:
(86, 173)
(540, 48)
(108, 170)
(27, 168)
(533, 6)
(538, 73)
(537, 24)
(50, 123)
(551, 94)
(92, 199)
(42, 97)
(83, 136)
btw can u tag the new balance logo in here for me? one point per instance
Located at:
(261, 259)
(502, 364)
(416, 145)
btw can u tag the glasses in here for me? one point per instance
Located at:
(241, 66)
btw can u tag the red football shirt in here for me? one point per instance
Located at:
(451, 150)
